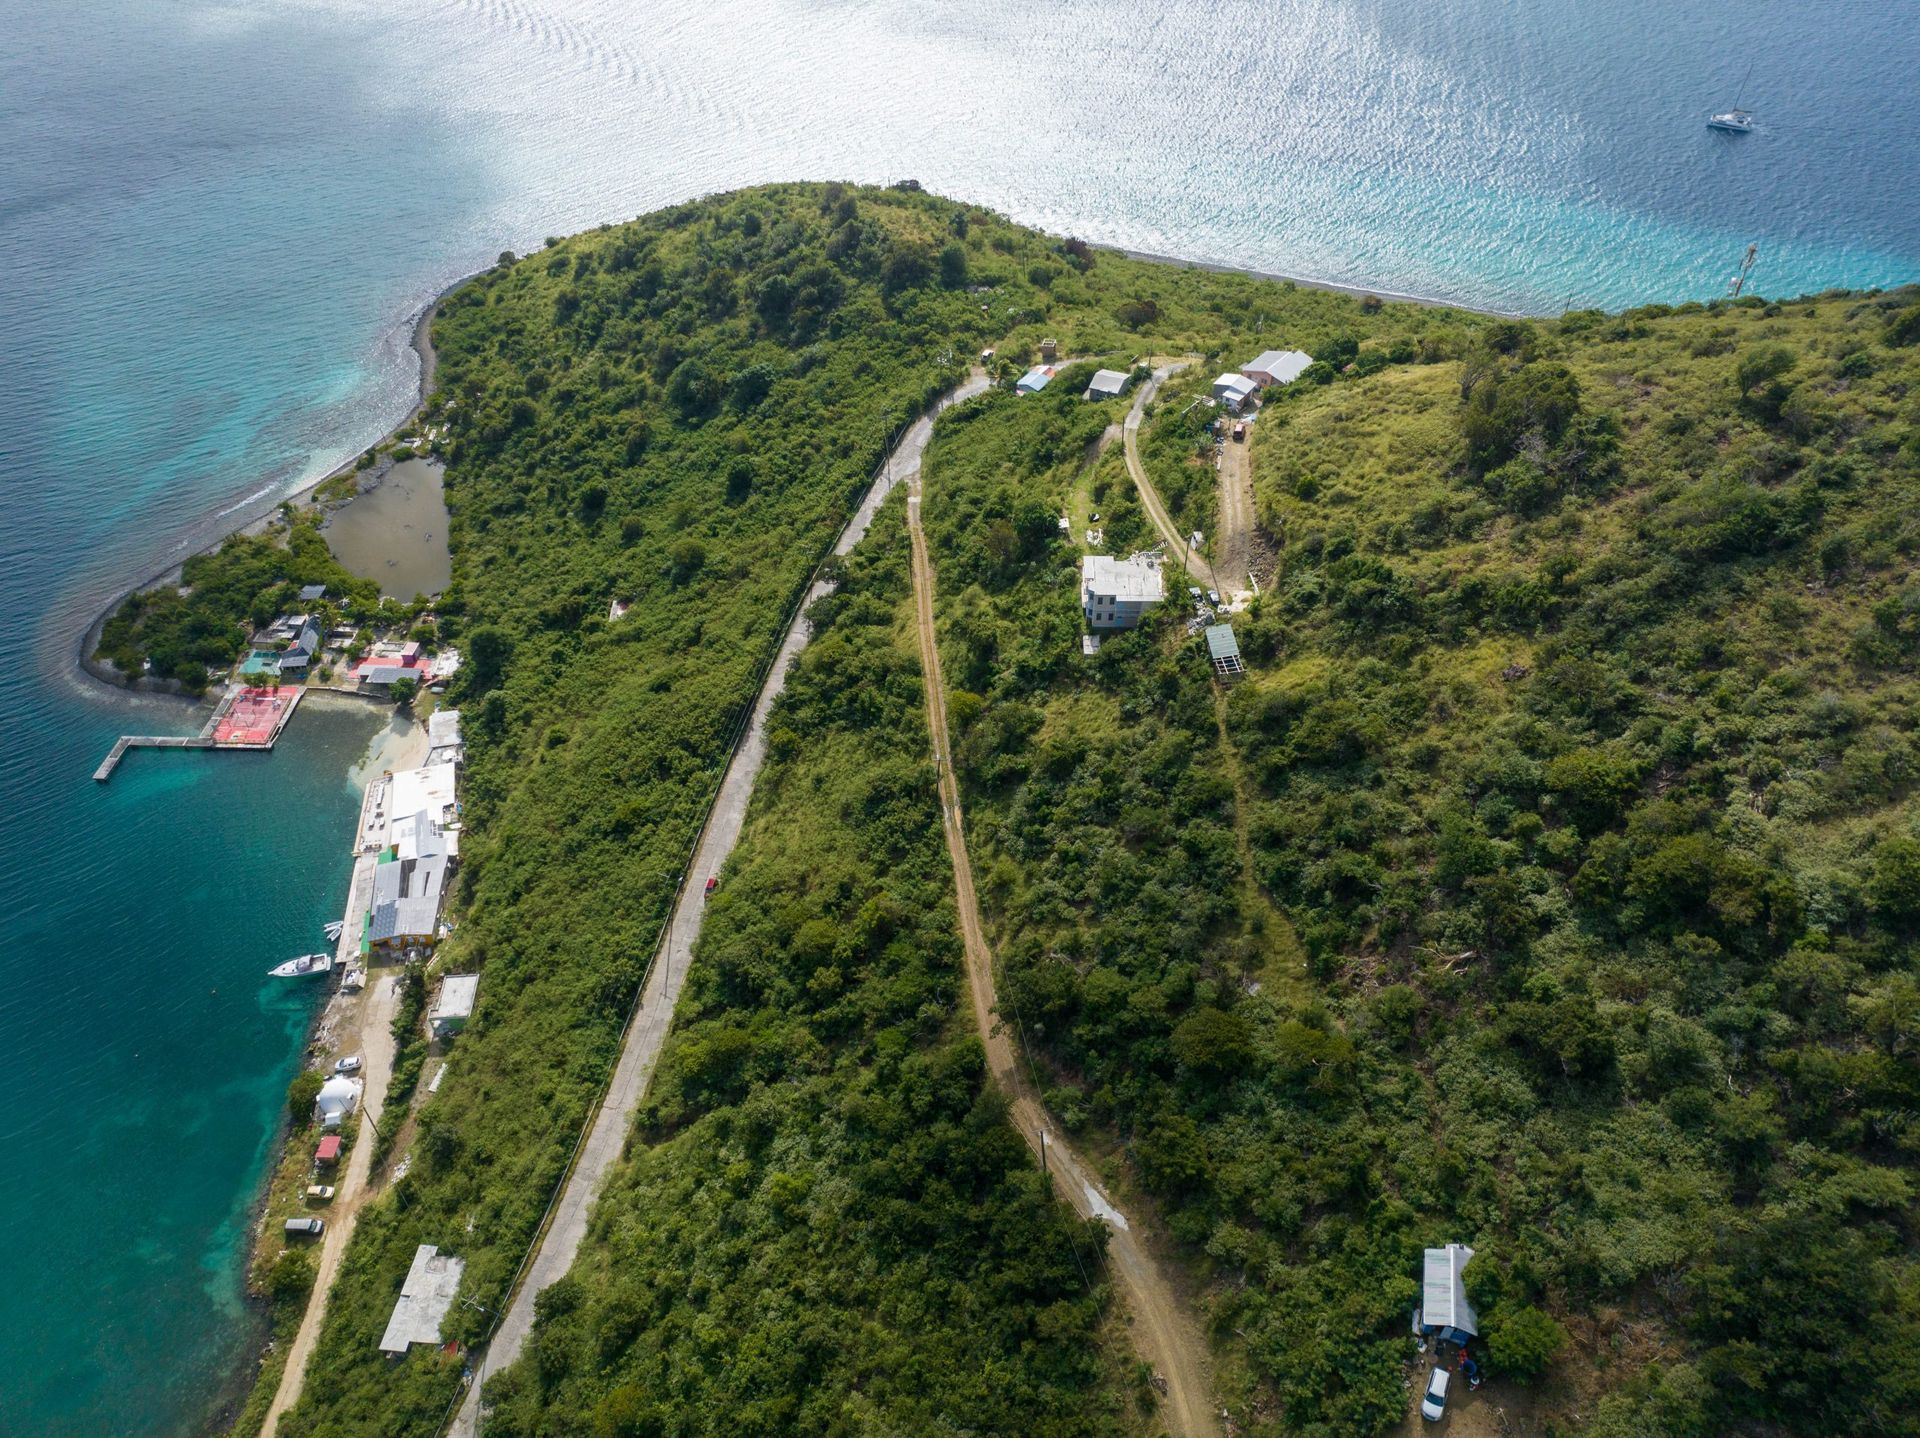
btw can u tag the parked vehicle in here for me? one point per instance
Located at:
(1213, 598)
(306, 1227)
(1433, 1403)
(1240, 432)
(320, 1192)
(348, 1065)
(712, 884)
(1193, 593)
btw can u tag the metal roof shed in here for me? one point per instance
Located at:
(1224, 650)
(1443, 1294)
(1107, 384)
(425, 1296)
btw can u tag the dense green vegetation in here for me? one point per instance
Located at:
(1578, 758)
(1549, 885)
(828, 1226)
(188, 631)
(675, 414)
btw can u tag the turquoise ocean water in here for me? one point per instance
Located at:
(215, 220)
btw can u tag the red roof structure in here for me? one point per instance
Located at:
(329, 1149)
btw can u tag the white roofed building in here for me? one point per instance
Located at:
(1276, 367)
(425, 1296)
(1443, 1295)
(1117, 593)
(1108, 384)
(338, 1097)
(1234, 390)
(454, 1005)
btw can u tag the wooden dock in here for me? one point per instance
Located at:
(203, 740)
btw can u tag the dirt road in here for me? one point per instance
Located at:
(1197, 566)
(640, 1050)
(376, 1027)
(1163, 1332)
(1233, 544)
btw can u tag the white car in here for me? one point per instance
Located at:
(1433, 1403)
(348, 1065)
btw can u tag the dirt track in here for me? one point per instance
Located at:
(376, 1028)
(1163, 1332)
(1197, 566)
(1233, 545)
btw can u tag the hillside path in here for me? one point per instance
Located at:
(1163, 1332)
(640, 1050)
(1197, 565)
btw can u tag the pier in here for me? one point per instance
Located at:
(245, 718)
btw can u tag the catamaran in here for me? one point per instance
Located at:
(1736, 119)
(301, 967)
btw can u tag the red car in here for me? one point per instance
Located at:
(713, 884)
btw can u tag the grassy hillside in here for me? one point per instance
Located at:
(1549, 886)
(675, 414)
(828, 1225)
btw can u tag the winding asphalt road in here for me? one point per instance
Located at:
(640, 1051)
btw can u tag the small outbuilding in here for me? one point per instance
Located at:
(454, 1006)
(425, 1296)
(1035, 379)
(313, 593)
(338, 1097)
(1276, 367)
(1444, 1309)
(1234, 391)
(1108, 384)
(1224, 650)
(328, 1151)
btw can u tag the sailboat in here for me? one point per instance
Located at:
(1739, 121)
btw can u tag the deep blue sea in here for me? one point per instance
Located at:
(216, 219)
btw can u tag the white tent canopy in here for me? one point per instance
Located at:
(338, 1097)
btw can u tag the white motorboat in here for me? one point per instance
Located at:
(302, 967)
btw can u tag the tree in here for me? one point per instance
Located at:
(686, 559)
(1213, 1043)
(1759, 366)
(404, 689)
(953, 266)
(1523, 1341)
(290, 1277)
(301, 1094)
(1894, 888)
(487, 650)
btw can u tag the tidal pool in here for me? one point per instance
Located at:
(396, 533)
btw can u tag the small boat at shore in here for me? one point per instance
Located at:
(333, 928)
(302, 967)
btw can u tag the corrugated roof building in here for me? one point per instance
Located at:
(1443, 1295)
(426, 1294)
(1277, 367)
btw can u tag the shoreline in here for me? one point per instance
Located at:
(1220, 267)
(420, 341)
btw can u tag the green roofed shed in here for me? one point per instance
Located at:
(1224, 650)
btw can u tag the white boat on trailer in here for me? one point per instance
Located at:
(302, 967)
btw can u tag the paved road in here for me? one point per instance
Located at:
(1163, 1332)
(376, 1025)
(1197, 566)
(641, 1049)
